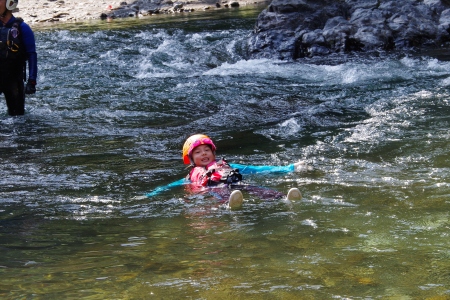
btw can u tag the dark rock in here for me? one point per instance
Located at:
(291, 29)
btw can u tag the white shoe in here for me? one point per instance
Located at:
(294, 194)
(235, 200)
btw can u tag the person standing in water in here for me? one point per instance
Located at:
(17, 46)
(199, 152)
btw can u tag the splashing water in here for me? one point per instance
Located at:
(113, 108)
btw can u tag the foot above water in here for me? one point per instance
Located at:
(235, 200)
(294, 194)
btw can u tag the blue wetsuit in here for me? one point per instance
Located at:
(17, 45)
(243, 169)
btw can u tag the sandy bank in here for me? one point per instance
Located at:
(42, 11)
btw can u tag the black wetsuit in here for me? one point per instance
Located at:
(17, 45)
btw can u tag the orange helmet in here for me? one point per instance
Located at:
(195, 141)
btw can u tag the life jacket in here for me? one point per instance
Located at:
(12, 48)
(220, 173)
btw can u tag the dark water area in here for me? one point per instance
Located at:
(115, 103)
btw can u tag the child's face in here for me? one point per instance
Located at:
(202, 155)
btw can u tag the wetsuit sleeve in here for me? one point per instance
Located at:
(243, 169)
(167, 187)
(30, 49)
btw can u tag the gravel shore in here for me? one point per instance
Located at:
(45, 11)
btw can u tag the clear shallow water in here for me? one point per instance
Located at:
(115, 104)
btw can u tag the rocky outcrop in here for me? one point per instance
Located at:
(291, 29)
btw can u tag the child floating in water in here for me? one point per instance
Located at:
(200, 152)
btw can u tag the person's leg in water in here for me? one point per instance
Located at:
(232, 197)
(270, 194)
(15, 98)
(263, 193)
(13, 88)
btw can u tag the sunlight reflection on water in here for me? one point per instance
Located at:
(107, 125)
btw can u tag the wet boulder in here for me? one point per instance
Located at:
(291, 29)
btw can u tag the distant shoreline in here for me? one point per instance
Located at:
(48, 12)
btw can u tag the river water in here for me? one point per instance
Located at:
(115, 103)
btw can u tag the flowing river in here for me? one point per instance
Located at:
(115, 103)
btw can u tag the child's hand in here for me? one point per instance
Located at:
(302, 166)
